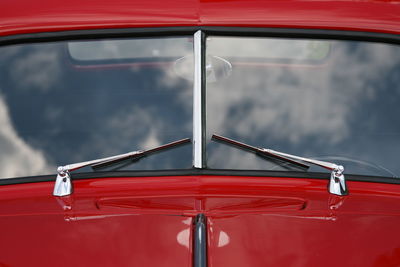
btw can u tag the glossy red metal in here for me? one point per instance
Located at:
(26, 16)
(147, 221)
(253, 221)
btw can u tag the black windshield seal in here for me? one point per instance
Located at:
(208, 30)
(200, 172)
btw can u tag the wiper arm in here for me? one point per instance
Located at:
(258, 151)
(63, 185)
(337, 182)
(137, 154)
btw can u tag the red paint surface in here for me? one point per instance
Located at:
(26, 16)
(308, 239)
(253, 221)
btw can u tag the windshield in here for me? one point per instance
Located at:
(331, 100)
(70, 102)
(63, 102)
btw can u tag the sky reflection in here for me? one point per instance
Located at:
(343, 106)
(56, 110)
(333, 100)
(14, 150)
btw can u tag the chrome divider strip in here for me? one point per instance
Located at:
(198, 161)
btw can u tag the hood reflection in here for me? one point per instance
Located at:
(223, 239)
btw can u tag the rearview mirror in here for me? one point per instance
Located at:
(217, 68)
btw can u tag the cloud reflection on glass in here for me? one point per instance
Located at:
(17, 157)
(342, 105)
(57, 109)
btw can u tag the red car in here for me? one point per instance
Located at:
(262, 133)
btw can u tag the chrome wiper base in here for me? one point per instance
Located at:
(63, 185)
(337, 182)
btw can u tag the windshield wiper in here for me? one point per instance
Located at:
(337, 182)
(258, 151)
(63, 185)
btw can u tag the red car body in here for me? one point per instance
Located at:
(148, 221)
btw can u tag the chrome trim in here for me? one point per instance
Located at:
(197, 102)
(200, 241)
(63, 185)
(337, 182)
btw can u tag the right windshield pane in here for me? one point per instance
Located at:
(335, 101)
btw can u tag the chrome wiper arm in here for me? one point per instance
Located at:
(324, 164)
(109, 161)
(79, 165)
(63, 185)
(337, 182)
(259, 151)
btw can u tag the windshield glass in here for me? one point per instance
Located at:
(70, 102)
(335, 101)
(67, 102)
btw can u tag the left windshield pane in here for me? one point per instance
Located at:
(67, 102)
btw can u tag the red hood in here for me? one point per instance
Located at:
(252, 221)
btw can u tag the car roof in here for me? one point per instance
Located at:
(27, 16)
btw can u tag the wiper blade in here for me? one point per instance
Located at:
(63, 184)
(137, 154)
(258, 151)
(337, 183)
